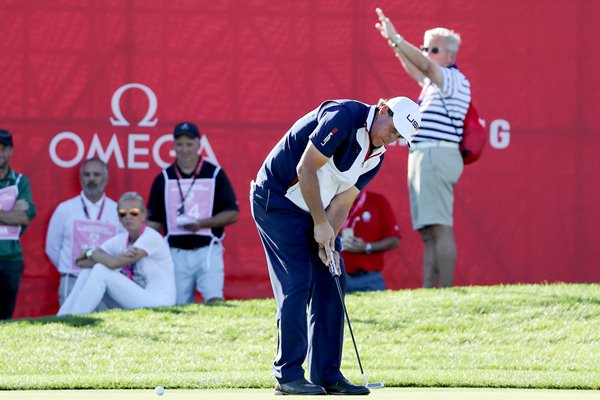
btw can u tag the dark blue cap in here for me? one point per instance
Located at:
(6, 137)
(186, 128)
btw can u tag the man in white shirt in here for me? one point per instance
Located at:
(85, 221)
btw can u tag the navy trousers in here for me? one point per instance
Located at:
(310, 317)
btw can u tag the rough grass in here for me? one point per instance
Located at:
(529, 336)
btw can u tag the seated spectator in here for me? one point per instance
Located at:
(368, 232)
(134, 268)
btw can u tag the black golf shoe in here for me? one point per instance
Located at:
(345, 388)
(299, 387)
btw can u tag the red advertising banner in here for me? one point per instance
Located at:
(111, 79)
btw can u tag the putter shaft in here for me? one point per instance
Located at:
(335, 273)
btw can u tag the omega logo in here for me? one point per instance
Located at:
(137, 149)
(116, 106)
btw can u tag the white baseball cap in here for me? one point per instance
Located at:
(407, 116)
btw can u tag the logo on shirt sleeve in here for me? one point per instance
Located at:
(329, 136)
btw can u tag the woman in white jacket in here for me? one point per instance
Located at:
(133, 268)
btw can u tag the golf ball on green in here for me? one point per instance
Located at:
(159, 390)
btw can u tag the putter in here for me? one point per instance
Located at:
(335, 272)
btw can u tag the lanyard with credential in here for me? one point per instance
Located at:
(181, 209)
(86, 212)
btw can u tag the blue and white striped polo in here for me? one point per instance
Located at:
(443, 109)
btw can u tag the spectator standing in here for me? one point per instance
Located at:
(16, 211)
(434, 162)
(193, 201)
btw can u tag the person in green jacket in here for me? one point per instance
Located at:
(16, 210)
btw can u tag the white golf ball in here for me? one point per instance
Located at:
(159, 390)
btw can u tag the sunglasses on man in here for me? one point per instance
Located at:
(433, 50)
(134, 212)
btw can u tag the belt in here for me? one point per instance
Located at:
(359, 272)
(68, 275)
(433, 143)
(192, 248)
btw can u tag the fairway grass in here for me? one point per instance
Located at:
(262, 394)
(523, 336)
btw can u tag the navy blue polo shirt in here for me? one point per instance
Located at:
(339, 130)
(224, 201)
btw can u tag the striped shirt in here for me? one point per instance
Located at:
(443, 118)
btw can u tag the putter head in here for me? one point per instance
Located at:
(372, 385)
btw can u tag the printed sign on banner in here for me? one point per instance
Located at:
(198, 203)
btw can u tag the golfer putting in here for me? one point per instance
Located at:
(300, 199)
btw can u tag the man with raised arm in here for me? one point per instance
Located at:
(434, 161)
